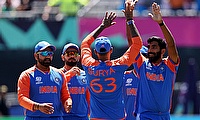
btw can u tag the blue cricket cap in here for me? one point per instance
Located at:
(70, 45)
(102, 45)
(43, 45)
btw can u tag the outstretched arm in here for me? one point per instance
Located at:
(107, 22)
(128, 12)
(133, 36)
(86, 53)
(171, 46)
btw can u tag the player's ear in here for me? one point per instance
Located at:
(163, 51)
(111, 49)
(62, 57)
(95, 52)
(36, 56)
(78, 57)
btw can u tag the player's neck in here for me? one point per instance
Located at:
(157, 62)
(67, 67)
(104, 58)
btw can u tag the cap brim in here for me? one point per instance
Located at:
(71, 46)
(53, 48)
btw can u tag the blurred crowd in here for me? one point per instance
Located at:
(66, 7)
(4, 111)
(172, 5)
(70, 7)
(12, 5)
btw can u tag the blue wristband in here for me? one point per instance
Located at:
(130, 22)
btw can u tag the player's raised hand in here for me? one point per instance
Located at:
(129, 7)
(68, 105)
(46, 108)
(108, 19)
(156, 13)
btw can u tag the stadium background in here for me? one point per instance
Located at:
(19, 35)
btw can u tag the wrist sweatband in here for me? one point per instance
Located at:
(130, 22)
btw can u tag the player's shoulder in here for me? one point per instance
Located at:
(58, 70)
(168, 59)
(62, 69)
(29, 70)
(54, 68)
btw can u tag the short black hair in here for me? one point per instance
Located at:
(160, 41)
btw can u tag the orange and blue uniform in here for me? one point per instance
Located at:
(106, 80)
(130, 91)
(78, 89)
(155, 87)
(50, 87)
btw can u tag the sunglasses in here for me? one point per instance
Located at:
(46, 53)
(71, 53)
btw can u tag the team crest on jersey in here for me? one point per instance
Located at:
(162, 68)
(82, 80)
(38, 80)
(129, 81)
(57, 79)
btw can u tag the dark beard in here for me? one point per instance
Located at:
(71, 64)
(156, 57)
(46, 62)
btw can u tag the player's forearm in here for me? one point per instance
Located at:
(65, 91)
(136, 41)
(65, 97)
(128, 35)
(134, 33)
(167, 34)
(26, 103)
(133, 29)
(97, 31)
(172, 50)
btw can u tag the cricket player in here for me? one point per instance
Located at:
(105, 76)
(42, 89)
(78, 85)
(156, 73)
(130, 90)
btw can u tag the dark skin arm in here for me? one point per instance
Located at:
(131, 30)
(171, 46)
(107, 22)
